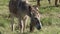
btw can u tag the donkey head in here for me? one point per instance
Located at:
(35, 18)
(36, 22)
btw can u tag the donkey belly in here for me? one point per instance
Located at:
(22, 13)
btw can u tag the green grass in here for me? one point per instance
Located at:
(50, 18)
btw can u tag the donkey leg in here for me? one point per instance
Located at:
(25, 22)
(49, 1)
(21, 24)
(59, 1)
(31, 27)
(38, 2)
(12, 22)
(56, 2)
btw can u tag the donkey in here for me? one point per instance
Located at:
(56, 2)
(21, 8)
(38, 2)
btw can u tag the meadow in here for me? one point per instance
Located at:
(50, 18)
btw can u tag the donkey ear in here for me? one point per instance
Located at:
(35, 7)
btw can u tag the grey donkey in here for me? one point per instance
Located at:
(21, 8)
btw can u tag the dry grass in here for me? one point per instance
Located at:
(50, 18)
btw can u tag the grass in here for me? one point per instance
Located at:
(50, 18)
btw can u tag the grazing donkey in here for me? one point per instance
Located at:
(21, 8)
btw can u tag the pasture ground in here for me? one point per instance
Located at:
(50, 18)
